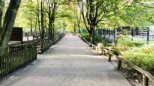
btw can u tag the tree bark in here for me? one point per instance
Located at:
(38, 18)
(52, 18)
(92, 34)
(9, 20)
(1, 15)
(42, 24)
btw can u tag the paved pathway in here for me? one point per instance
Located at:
(68, 63)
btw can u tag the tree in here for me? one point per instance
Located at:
(52, 6)
(1, 13)
(95, 11)
(8, 23)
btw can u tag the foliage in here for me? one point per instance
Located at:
(98, 39)
(27, 13)
(143, 57)
(95, 11)
(124, 44)
(85, 34)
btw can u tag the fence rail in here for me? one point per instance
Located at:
(47, 42)
(17, 56)
(147, 77)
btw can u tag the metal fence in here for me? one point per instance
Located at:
(142, 34)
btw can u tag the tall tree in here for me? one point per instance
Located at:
(52, 6)
(1, 14)
(95, 11)
(8, 24)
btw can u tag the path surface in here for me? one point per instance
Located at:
(68, 63)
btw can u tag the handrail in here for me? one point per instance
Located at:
(137, 68)
(146, 75)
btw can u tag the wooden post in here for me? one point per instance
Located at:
(132, 34)
(119, 65)
(148, 35)
(109, 33)
(145, 81)
(114, 35)
(110, 57)
(104, 32)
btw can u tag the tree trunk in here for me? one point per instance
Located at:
(53, 20)
(50, 20)
(9, 20)
(74, 28)
(51, 15)
(92, 35)
(38, 18)
(31, 27)
(42, 25)
(1, 16)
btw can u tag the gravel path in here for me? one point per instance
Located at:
(68, 63)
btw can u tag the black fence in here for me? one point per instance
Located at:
(141, 34)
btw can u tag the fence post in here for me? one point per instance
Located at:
(119, 64)
(132, 34)
(110, 57)
(145, 81)
(114, 35)
(148, 35)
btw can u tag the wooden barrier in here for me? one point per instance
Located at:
(16, 57)
(47, 43)
(146, 75)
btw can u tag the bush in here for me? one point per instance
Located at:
(116, 51)
(124, 43)
(86, 36)
(98, 39)
(143, 57)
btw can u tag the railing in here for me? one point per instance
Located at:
(147, 77)
(17, 56)
(58, 37)
(47, 43)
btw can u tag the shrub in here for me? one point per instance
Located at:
(124, 43)
(143, 57)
